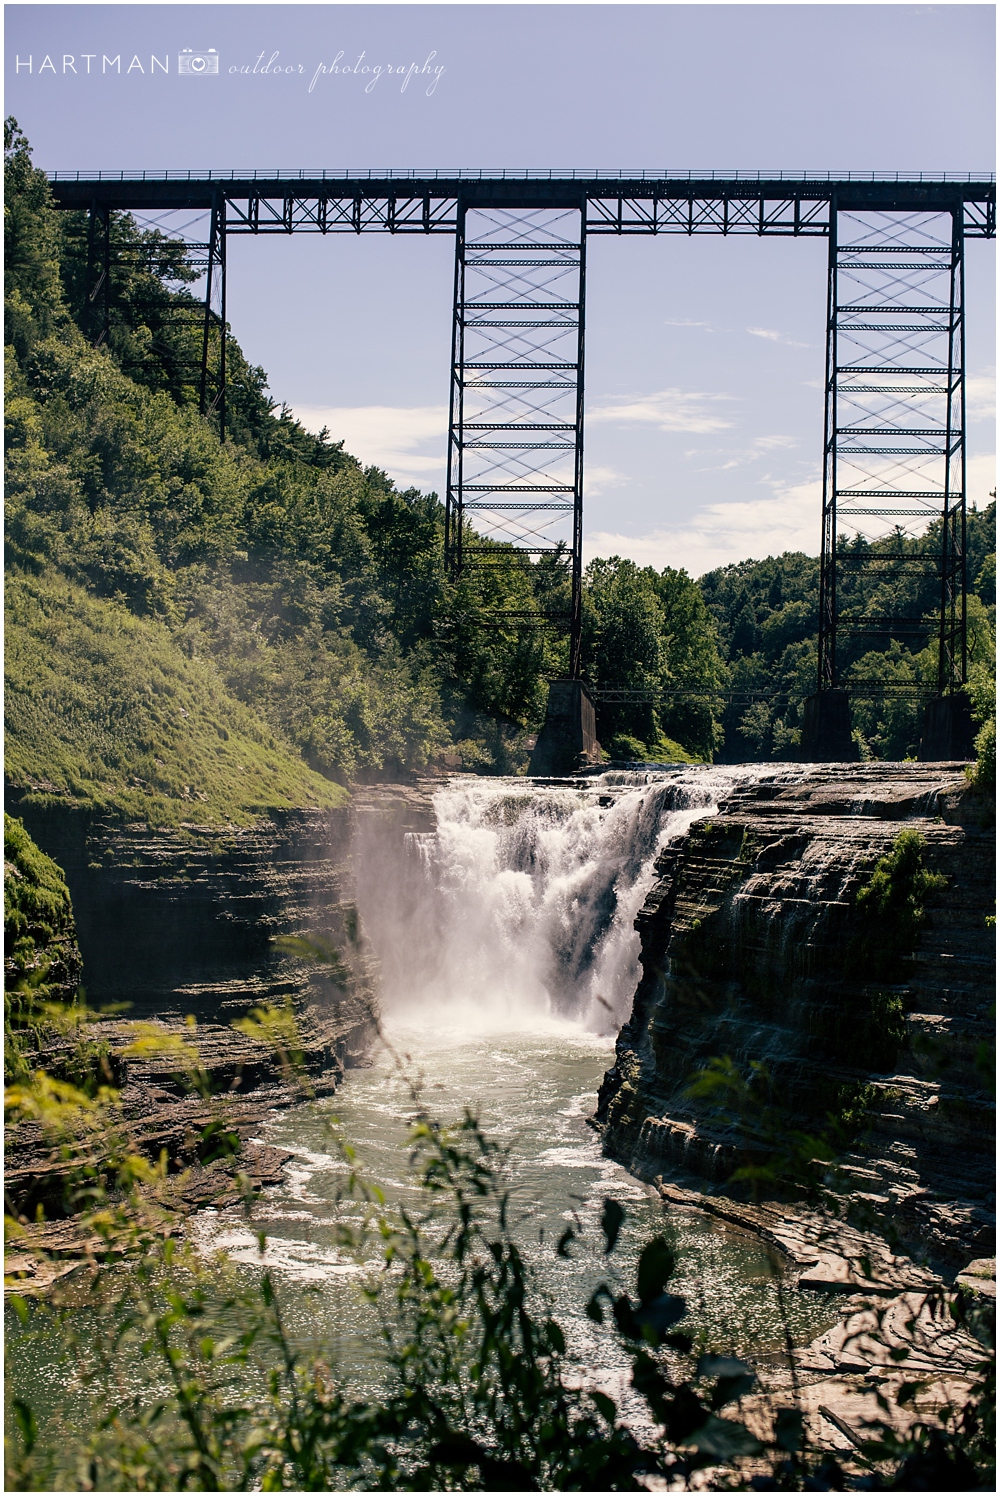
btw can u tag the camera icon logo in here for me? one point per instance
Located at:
(198, 62)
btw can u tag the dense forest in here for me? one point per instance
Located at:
(199, 627)
(765, 616)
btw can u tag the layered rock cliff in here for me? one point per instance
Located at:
(755, 946)
(178, 922)
(177, 928)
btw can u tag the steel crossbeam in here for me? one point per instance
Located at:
(894, 450)
(894, 439)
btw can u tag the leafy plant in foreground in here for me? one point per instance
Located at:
(191, 1378)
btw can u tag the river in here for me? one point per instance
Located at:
(508, 962)
(509, 959)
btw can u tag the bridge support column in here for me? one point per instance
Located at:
(214, 326)
(514, 500)
(948, 731)
(894, 515)
(826, 729)
(568, 740)
(98, 305)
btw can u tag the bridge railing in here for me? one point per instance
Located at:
(510, 174)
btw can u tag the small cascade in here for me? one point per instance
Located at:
(517, 909)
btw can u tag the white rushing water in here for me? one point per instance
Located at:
(519, 908)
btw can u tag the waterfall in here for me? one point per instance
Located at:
(517, 909)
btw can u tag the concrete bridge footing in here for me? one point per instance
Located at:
(948, 730)
(826, 729)
(568, 739)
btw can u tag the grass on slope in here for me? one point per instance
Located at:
(669, 751)
(105, 712)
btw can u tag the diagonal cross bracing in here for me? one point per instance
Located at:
(894, 440)
(515, 438)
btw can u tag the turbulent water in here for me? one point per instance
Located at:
(520, 905)
(508, 956)
(508, 962)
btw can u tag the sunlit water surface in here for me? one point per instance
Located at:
(532, 1092)
(509, 960)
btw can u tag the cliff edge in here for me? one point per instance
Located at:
(865, 1017)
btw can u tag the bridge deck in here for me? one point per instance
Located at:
(617, 202)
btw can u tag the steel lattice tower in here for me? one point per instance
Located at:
(114, 259)
(515, 435)
(894, 437)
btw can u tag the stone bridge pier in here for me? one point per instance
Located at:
(568, 739)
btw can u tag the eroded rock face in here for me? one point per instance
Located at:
(753, 947)
(178, 928)
(181, 925)
(172, 923)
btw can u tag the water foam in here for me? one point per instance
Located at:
(517, 911)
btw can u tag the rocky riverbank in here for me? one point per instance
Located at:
(190, 1098)
(753, 947)
(186, 932)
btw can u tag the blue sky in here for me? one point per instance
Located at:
(704, 357)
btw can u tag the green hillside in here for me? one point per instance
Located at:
(270, 571)
(104, 710)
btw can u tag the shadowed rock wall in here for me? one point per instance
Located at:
(750, 948)
(182, 922)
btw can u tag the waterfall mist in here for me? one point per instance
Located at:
(516, 910)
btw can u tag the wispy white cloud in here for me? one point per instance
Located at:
(718, 534)
(774, 336)
(687, 322)
(759, 447)
(981, 396)
(669, 410)
(721, 533)
(597, 480)
(409, 442)
(981, 478)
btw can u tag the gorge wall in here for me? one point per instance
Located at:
(178, 922)
(753, 947)
(174, 925)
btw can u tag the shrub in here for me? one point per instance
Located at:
(891, 906)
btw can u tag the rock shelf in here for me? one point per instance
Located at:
(744, 935)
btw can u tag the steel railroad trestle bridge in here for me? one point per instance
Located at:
(894, 424)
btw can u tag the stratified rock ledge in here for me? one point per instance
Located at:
(743, 941)
(163, 1111)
